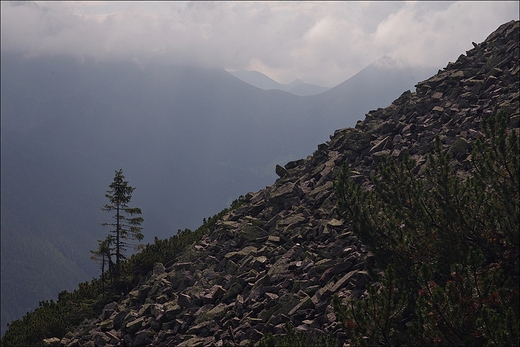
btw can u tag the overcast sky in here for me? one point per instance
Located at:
(323, 43)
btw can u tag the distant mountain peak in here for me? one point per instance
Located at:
(259, 80)
(256, 79)
(388, 62)
(296, 82)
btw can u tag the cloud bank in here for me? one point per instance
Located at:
(320, 42)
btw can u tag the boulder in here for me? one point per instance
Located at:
(135, 325)
(52, 341)
(280, 171)
(184, 300)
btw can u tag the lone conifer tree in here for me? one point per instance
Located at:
(126, 224)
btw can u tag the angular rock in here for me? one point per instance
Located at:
(218, 292)
(343, 281)
(143, 338)
(280, 171)
(107, 325)
(184, 300)
(304, 303)
(52, 341)
(134, 325)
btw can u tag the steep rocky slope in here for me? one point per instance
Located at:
(282, 254)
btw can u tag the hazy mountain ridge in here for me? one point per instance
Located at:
(259, 80)
(188, 138)
(249, 263)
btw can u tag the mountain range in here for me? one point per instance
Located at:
(189, 139)
(259, 80)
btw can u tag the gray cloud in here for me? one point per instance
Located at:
(320, 42)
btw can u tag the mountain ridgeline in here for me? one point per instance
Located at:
(281, 266)
(259, 80)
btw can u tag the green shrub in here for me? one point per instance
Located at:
(448, 244)
(291, 338)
